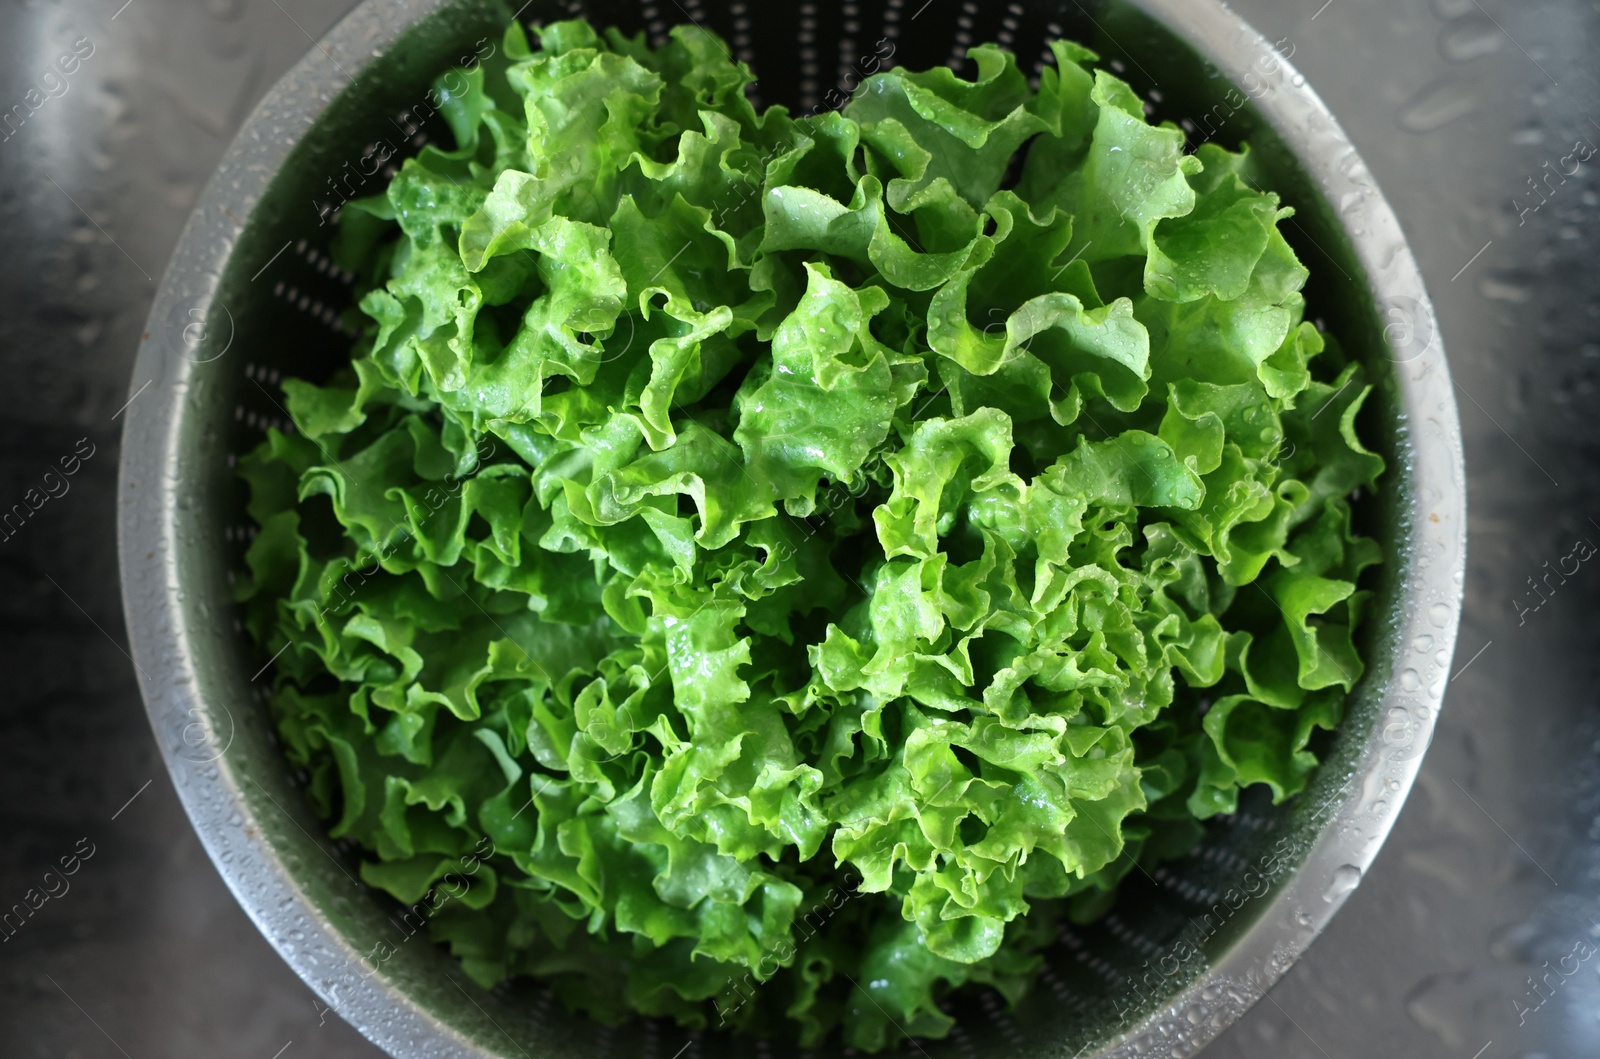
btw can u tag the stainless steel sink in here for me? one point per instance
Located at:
(1455, 107)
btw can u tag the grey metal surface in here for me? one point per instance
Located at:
(1429, 952)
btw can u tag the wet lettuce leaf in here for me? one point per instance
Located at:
(769, 567)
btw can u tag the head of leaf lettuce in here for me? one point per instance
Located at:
(772, 568)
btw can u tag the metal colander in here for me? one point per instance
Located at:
(251, 297)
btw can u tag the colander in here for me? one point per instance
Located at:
(252, 297)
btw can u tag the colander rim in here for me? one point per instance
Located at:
(152, 485)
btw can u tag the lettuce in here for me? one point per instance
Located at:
(807, 562)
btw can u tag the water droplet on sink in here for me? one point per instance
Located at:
(1527, 135)
(1470, 37)
(1505, 289)
(1514, 943)
(1438, 104)
(1442, 1004)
